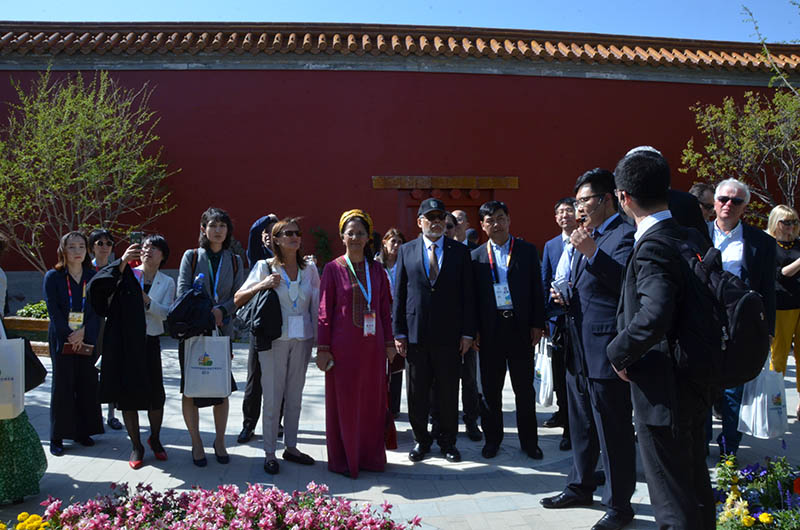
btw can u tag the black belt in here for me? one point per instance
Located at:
(506, 313)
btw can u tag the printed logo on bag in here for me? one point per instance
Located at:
(205, 360)
(777, 400)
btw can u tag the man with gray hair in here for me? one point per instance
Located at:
(749, 253)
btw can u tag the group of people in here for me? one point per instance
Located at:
(449, 313)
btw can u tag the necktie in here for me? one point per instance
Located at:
(434, 263)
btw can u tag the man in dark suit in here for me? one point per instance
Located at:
(434, 325)
(599, 402)
(510, 303)
(559, 251)
(669, 409)
(749, 253)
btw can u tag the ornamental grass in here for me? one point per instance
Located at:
(258, 508)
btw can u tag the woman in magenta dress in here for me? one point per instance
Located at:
(355, 339)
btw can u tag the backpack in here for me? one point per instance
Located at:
(722, 335)
(261, 316)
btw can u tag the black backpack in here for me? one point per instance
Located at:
(262, 317)
(722, 335)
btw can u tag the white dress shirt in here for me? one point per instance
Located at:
(650, 221)
(162, 294)
(500, 255)
(731, 247)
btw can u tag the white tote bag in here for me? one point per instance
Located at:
(12, 376)
(543, 375)
(207, 367)
(763, 412)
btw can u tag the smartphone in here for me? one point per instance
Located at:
(136, 238)
(562, 288)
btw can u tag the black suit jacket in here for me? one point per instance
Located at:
(438, 314)
(524, 281)
(758, 269)
(593, 305)
(652, 294)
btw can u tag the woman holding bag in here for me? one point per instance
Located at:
(74, 409)
(283, 366)
(223, 275)
(355, 339)
(23, 463)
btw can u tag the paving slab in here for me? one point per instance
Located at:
(503, 492)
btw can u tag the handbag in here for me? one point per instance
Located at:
(207, 367)
(84, 349)
(763, 412)
(543, 375)
(12, 376)
(35, 372)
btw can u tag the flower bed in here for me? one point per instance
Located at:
(758, 496)
(259, 508)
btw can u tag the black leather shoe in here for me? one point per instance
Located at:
(86, 442)
(301, 458)
(564, 500)
(222, 459)
(451, 454)
(418, 452)
(56, 447)
(245, 435)
(535, 453)
(612, 522)
(489, 450)
(473, 432)
(271, 466)
(556, 420)
(564, 444)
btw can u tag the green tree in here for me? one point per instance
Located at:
(757, 141)
(77, 155)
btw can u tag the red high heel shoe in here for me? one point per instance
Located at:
(160, 455)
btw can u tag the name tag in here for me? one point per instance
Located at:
(75, 320)
(369, 323)
(296, 326)
(502, 294)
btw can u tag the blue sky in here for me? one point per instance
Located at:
(692, 19)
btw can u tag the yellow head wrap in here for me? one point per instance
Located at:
(349, 214)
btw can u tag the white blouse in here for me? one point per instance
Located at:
(307, 304)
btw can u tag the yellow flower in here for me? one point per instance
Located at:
(735, 479)
(3, 526)
(735, 491)
(35, 518)
(43, 525)
(748, 521)
(21, 517)
(766, 518)
(730, 463)
(22, 526)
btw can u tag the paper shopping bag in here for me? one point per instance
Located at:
(207, 367)
(12, 378)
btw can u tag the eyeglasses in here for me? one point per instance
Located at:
(449, 226)
(104, 243)
(290, 233)
(707, 206)
(435, 216)
(736, 201)
(789, 222)
(585, 200)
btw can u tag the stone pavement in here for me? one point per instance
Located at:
(480, 494)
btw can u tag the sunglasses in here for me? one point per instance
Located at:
(435, 216)
(789, 222)
(707, 206)
(290, 233)
(735, 200)
(104, 243)
(450, 226)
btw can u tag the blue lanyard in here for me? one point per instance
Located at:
(366, 292)
(216, 277)
(289, 282)
(69, 293)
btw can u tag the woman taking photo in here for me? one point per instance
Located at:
(784, 226)
(135, 303)
(388, 258)
(355, 339)
(74, 409)
(101, 244)
(223, 275)
(283, 366)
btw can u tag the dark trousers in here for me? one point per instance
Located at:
(429, 366)
(509, 350)
(251, 404)
(395, 391)
(469, 390)
(560, 345)
(600, 426)
(674, 461)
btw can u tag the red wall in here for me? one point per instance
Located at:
(308, 142)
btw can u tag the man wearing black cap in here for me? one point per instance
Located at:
(434, 324)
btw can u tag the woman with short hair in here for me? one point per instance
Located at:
(284, 364)
(784, 226)
(72, 334)
(223, 275)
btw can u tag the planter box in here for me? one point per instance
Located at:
(34, 329)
